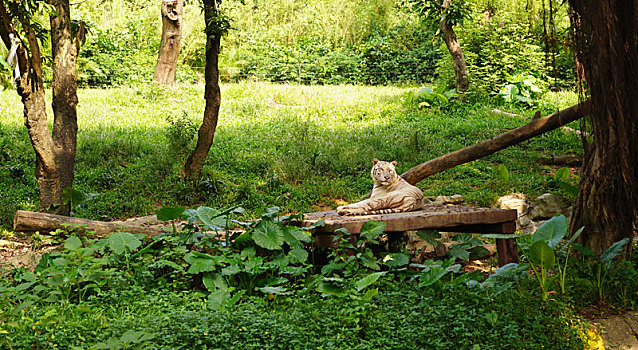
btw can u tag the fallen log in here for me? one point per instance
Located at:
(29, 221)
(485, 148)
(566, 159)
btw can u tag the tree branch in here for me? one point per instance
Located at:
(485, 148)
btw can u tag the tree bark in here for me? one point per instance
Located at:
(65, 101)
(28, 221)
(461, 79)
(606, 43)
(55, 153)
(502, 141)
(172, 11)
(212, 95)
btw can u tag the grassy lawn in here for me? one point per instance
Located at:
(297, 147)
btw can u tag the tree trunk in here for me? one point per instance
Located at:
(502, 141)
(212, 95)
(172, 11)
(65, 99)
(461, 79)
(55, 153)
(607, 47)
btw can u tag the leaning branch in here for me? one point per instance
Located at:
(485, 148)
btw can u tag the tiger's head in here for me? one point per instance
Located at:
(383, 172)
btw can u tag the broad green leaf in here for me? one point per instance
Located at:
(479, 252)
(72, 197)
(217, 299)
(118, 242)
(552, 231)
(72, 243)
(170, 213)
(299, 234)
(268, 235)
(235, 298)
(612, 252)
(271, 212)
(372, 229)
(459, 251)
(170, 263)
(319, 223)
(502, 173)
(368, 280)
(562, 174)
(231, 270)
(396, 260)
(214, 281)
(132, 336)
(200, 262)
(330, 288)
(23, 286)
(574, 237)
(274, 290)
(300, 254)
(467, 238)
(430, 277)
(211, 218)
(503, 235)
(430, 236)
(569, 188)
(542, 254)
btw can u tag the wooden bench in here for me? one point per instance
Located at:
(441, 218)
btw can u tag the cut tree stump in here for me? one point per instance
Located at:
(440, 218)
(29, 221)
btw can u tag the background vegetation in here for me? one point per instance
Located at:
(311, 92)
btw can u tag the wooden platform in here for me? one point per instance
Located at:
(441, 218)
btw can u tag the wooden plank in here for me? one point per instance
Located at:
(435, 217)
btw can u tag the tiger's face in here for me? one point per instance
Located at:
(383, 172)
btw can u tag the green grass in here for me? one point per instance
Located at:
(301, 156)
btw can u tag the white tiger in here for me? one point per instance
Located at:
(390, 194)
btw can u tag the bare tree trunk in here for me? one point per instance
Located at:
(55, 153)
(172, 11)
(606, 45)
(461, 78)
(212, 95)
(65, 98)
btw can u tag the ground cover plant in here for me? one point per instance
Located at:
(188, 288)
(296, 147)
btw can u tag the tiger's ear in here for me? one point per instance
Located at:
(394, 162)
(375, 161)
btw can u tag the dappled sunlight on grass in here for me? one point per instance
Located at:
(276, 144)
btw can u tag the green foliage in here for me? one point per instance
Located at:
(429, 97)
(604, 269)
(468, 247)
(521, 89)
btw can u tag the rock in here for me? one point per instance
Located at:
(548, 205)
(519, 202)
(443, 200)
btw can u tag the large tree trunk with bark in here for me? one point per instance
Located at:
(172, 11)
(485, 148)
(212, 95)
(606, 37)
(461, 79)
(55, 152)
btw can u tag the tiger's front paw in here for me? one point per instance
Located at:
(345, 210)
